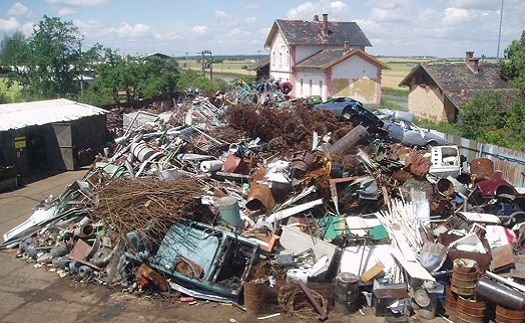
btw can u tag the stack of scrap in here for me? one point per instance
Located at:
(248, 193)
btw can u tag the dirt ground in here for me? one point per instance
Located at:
(31, 294)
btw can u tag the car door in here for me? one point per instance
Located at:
(395, 130)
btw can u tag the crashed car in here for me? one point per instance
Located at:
(353, 110)
(410, 134)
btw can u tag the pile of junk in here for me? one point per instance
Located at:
(281, 208)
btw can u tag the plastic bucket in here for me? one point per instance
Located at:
(229, 211)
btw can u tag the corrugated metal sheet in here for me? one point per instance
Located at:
(511, 162)
(20, 115)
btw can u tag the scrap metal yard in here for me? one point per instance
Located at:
(246, 206)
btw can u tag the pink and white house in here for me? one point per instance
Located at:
(324, 58)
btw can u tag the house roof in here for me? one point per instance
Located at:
(260, 63)
(458, 81)
(303, 32)
(329, 57)
(20, 115)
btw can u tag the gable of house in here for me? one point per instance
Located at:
(344, 73)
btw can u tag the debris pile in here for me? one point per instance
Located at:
(276, 207)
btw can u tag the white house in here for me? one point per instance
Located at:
(324, 58)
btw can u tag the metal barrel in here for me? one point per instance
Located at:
(347, 293)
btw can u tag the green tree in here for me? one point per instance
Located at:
(13, 50)
(52, 64)
(482, 115)
(136, 78)
(514, 67)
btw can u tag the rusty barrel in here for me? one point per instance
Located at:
(464, 276)
(470, 310)
(500, 294)
(451, 303)
(505, 315)
(347, 293)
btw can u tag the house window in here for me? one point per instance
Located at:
(273, 59)
(302, 87)
(311, 87)
(321, 88)
(280, 60)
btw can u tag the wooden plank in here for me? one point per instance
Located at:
(501, 257)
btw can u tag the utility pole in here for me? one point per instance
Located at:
(500, 22)
(206, 62)
(81, 69)
(187, 66)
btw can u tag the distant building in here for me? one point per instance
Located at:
(439, 90)
(324, 58)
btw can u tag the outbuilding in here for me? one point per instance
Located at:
(41, 136)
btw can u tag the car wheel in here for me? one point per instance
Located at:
(431, 144)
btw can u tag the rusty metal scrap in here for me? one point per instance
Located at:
(129, 205)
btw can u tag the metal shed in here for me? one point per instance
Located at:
(41, 136)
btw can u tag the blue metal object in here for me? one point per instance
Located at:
(221, 259)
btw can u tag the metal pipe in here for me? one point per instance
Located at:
(311, 298)
(351, 139)
(505, 281)
(500, 294)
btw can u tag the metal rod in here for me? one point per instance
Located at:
(314, 302)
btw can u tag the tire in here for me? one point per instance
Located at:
(431, 144)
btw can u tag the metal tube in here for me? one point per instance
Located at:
(349, 140)
(500, 294)
(314, 302)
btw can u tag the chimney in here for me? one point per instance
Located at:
(346, 47)
(316, 18)
(325, 24)
(472, 63)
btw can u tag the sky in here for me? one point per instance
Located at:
(438, 28)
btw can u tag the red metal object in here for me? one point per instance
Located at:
(234, 164)
(495, 186)
(187, 299)
(260, 193)
(481, 169)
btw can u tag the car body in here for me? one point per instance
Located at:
(353, 110)
(398, 114)
(410, 134)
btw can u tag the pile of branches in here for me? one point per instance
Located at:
(148, 206)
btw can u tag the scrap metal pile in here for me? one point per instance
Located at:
(275, 207)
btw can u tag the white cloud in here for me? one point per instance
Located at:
(199, 30)
(125, 30)
(66, 11)
(27, 28)
(336, 10)
(237, 33)
(20, 11)
(253, 6)
(9, 24)
(251, 20)
(86, 3)
(223, 19)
